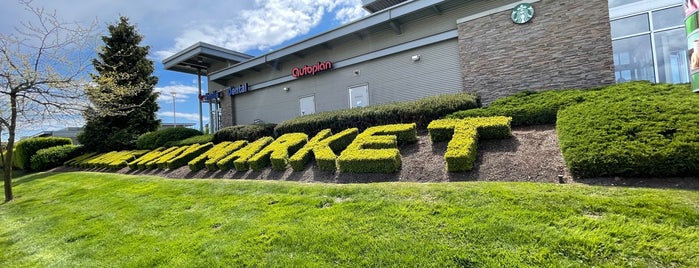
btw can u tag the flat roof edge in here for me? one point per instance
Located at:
(374, 19)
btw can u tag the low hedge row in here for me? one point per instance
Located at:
(324, 147)
(463, 135)
(420, 112)
(244, 132)
(75, 162)
(189, 154)
(633, 130)
(198, 139)
(54, 156)
(239, 158)
(212, 156)
(376, 149)
(494, 127)
(110, 160)
(25, 149)
(528, 107)
(161, 162)
(278, 152)
(140, 163)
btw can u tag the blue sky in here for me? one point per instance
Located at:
(252, 27)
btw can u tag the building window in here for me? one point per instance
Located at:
(650, 45)
(307, 105)
(358, 96)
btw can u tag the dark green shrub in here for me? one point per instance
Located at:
(54, 156)
(199, 139)
(25, 149)
(420, 112)
(529, 108)
(244, 132)
(160, 138)
(632, 129)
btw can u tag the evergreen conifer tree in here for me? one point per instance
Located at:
(123, 101)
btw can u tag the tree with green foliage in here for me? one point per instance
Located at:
(122, 96)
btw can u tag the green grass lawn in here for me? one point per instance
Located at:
(109, 220)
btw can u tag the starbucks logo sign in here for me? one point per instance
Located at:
(522, 13)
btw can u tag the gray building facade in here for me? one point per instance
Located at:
(407, 50)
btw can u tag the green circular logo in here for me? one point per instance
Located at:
(522, 13)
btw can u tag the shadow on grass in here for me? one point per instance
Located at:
(31, 177)
(679, 183)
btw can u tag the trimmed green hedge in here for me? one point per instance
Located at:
(278, 152)
(140, 162)
(244, 132)
(160, 138)
(25, 149)
(199, 139)
(633, 130)
(161, 162)
(529, 108)
(462, 149)
(376, 149)
(75, 162)
(420, 112)
(54, 156)
(110, 160)
(192, 152)
(463, 135)
(213, 155)
(239, 158)
(324, 147)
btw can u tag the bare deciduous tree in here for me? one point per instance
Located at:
(43, 71)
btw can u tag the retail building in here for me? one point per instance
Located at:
(406, 50)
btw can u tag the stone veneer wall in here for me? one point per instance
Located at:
(567, 44)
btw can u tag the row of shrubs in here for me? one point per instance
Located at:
(375, 150)
(632, 130)
(420, 112)
(110, 160)
(463, 135)
(528, 107)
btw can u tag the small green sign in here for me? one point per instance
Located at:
(522, 13)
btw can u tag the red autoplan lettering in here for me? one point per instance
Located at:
(311, 70)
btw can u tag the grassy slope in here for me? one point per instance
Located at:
(77, 219)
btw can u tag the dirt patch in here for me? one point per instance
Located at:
(531, 155)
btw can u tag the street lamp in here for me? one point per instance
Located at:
(174, 116)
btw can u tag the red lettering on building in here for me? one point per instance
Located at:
(311, 70)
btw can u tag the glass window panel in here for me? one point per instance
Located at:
(616, 3)
(669, 17)
(671, 54)
(631, 25)
(633, 59)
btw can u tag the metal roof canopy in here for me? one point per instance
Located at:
(200, 56)
(377, 5)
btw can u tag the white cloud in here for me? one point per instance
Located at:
(267, 24)
(167, 116)
(350, 13)
(182, 93)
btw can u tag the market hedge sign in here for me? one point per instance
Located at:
(375, 150)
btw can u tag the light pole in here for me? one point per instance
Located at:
(174, 116)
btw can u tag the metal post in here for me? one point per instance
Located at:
(211, 118)
(201, 119)
(174, 115)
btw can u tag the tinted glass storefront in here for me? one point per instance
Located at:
(651, 44)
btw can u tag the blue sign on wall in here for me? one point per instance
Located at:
(238, 90)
